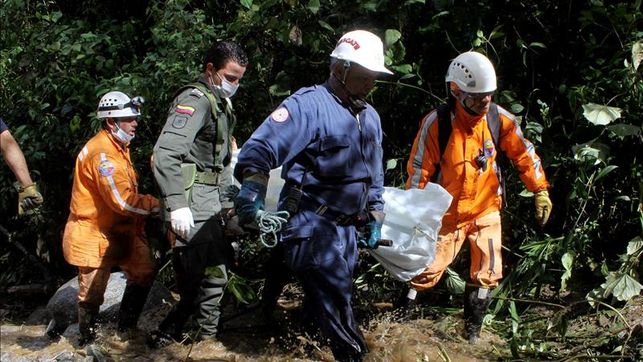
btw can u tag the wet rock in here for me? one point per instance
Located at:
(62, 308)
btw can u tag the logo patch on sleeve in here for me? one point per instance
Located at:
(184, 110)
(179, 122)
(106, 168)
(488, 148)
(280, 115)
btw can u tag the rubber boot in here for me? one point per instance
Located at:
(476, 301)
(208, 300)
(171, 328)
(279, 276)
(405, 303)
(87, 323)
(132, 303)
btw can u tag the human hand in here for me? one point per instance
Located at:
(181, 221)
(249, 201)
(29, 198)
(370, 239)
(543, 206)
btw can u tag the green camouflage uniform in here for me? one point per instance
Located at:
(192, 139)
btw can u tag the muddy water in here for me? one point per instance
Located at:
(246, 339)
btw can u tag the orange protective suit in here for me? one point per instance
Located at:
(105, 227)
(477, 193)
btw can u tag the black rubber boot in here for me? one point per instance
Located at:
(348, 354)
(476, 301)
(134, 299)
(405, 304)
(87, 323)
(171, 328)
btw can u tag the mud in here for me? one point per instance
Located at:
(249, 338)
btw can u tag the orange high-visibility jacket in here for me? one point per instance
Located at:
(106, 212)
(476, 192)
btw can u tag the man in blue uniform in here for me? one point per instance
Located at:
(328, 140)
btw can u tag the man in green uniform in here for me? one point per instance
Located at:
(190, 167)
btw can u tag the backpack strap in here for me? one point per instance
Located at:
(444, 127)
(493, 122)
(444, 133)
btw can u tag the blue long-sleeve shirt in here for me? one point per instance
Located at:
(334, 155)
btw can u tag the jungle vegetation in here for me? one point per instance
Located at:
(570, 71)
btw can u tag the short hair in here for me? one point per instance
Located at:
(224, 51)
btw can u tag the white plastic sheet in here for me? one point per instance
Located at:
(275, 184)
(413, 221)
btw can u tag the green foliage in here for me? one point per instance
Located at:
(571, 74)
(623, 284)
(241, 289)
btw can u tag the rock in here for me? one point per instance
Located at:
(62, 308)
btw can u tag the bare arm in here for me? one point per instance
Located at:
(14, 158)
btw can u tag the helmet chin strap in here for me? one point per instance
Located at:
(462, 98)
(355, 103)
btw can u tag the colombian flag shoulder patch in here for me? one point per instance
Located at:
(184, 110)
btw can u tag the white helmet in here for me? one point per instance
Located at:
(363, 48)
(117, 104)
(472, 72)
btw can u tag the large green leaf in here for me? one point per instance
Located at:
(246, 3)
(624, 130)
(637, 54)
(391, 164)
(605, 171)
(634, 246)
(391, 36)
(622, 286)
(600, 114)
(313, 6)
(568, 264)
(454, 282)
(591, 152)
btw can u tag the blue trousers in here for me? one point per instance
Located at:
(323, 255)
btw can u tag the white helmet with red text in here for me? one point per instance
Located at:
(363, 48)
(473, 73)
(117, 104)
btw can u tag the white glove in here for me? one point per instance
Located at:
(181, 220)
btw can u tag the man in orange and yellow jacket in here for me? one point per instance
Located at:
(105, 227)
(464, 163)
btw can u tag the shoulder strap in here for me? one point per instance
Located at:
(493, 121)
(222, 127)
(444, 127)
(444, 133)
(214, 108)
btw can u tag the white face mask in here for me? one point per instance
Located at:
(226, 89)
(121, 135)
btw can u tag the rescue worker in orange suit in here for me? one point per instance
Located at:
(467, 169)
(106, 221)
